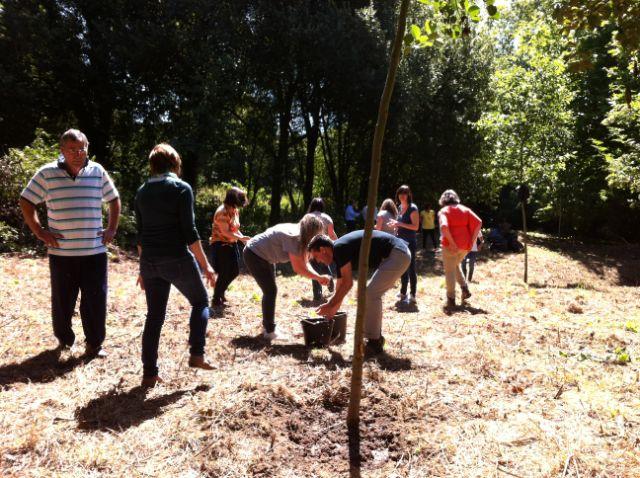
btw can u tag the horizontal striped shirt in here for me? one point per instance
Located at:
(74, 205)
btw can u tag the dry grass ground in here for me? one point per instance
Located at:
(526, 382)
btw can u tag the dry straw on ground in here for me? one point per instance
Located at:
(526, 381)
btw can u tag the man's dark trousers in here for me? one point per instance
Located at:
(86, 275)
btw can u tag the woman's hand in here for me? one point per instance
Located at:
(245, 239)
(140, 282)
(210, 275)
(324, 280)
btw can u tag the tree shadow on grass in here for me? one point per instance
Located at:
(42, 368)
(119, 410)
(300, 352)
(624, 258)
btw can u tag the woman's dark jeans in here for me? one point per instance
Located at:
(265, 275)
(470, 260)
(225, 262)
(158, 274)
(410, 275)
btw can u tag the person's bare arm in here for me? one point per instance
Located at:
(30, 215)
(343, 286)
(207, 270)
(332, 232)
(303, 268)
(114, 218)
(452, 246)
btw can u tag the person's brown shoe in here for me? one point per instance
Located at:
(465, 293)
(150, 382)
(198, 361)
(94, 352)
(450, 305)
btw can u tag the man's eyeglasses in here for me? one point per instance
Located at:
(76, 150)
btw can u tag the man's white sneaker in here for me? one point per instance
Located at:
(411, 299)
(275, 335)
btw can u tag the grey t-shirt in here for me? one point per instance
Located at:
(386, 227)
(276, 243)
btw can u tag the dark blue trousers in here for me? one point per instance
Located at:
(158, 274)
(410, 276)
(86, 275)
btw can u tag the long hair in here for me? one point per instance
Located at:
(310, 226)
(316, 205)
(404, 189)
(389, 206)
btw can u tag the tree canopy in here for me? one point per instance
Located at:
(281, 98)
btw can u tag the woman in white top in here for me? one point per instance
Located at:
(388, 212)
(316, 208)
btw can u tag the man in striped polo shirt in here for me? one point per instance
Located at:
(73, 189)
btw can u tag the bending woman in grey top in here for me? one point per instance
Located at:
(280, 243)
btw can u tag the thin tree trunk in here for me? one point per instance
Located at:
(282, 157)
(353, 417)
(313, 131)
(525, 240)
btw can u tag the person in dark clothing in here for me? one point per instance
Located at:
(351, 214)
(225, 235)
(389, 257)
(407, 225)
(169, 247)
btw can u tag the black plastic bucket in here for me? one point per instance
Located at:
(317, 331)
(339, 332)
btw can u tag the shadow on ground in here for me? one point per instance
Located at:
(42, 368)
(119, 410)
(597, 258)
(299, 352)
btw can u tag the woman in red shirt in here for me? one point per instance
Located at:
(459, 229)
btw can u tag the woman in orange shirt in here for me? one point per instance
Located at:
(225, 235)
(459, 229)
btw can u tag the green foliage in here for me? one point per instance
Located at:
(580, 18)
(9, 237)
(282, 97)
(448, 19)
(623, 156)
(529, 123)
(17, 167)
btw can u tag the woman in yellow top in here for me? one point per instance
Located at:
(428, 220)
(225, 235)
